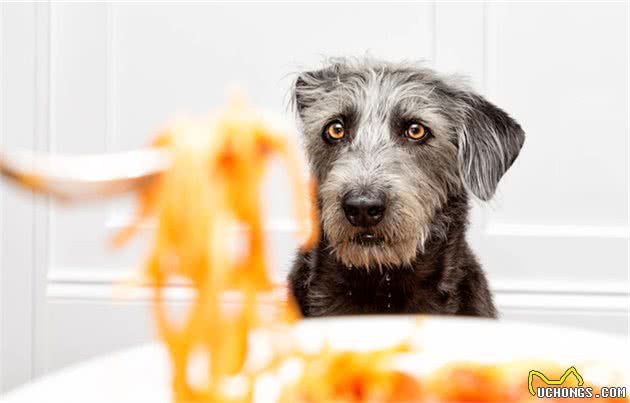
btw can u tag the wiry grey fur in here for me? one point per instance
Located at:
(423, 263)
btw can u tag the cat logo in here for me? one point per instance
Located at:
(552, 382)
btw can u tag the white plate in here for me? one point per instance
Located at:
(142, 374)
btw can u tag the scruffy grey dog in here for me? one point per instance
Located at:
(396, 149)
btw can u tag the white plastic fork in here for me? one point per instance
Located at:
(83, 177)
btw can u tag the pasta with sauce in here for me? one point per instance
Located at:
(214, 181)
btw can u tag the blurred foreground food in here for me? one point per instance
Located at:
(214, 183)
(351, 377)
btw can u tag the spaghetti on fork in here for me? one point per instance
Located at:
(214, 182)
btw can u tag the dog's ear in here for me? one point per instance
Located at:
(489, 142)
(300, 96)
(310, 86)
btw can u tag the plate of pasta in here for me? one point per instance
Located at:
(442, 359)
(369, 359)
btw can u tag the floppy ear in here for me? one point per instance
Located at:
(310, 86)
(489, 142)
(300, 94)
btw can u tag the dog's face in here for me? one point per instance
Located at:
(389, 144)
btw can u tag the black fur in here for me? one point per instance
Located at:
(446, 279)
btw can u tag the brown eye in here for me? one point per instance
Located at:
(335, 131)
(416, 131)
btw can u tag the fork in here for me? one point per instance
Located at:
(83, 177)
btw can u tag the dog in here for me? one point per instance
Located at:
(397, 150)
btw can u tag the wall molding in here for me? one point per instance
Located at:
(91, 276)
(43, 137)
(117, 221)
(561, 231)
(85, 285)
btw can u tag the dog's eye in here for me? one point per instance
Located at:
(334, 131)
(416, 131)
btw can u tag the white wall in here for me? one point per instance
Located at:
(79, 78)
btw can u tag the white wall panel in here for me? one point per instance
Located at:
(561, 213)
(562, 70)
(185, 56)
(80, 123)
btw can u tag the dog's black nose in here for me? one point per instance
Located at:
(364, 211)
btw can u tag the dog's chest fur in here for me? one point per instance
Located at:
(358, 291)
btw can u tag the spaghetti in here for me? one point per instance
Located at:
(214, 182)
